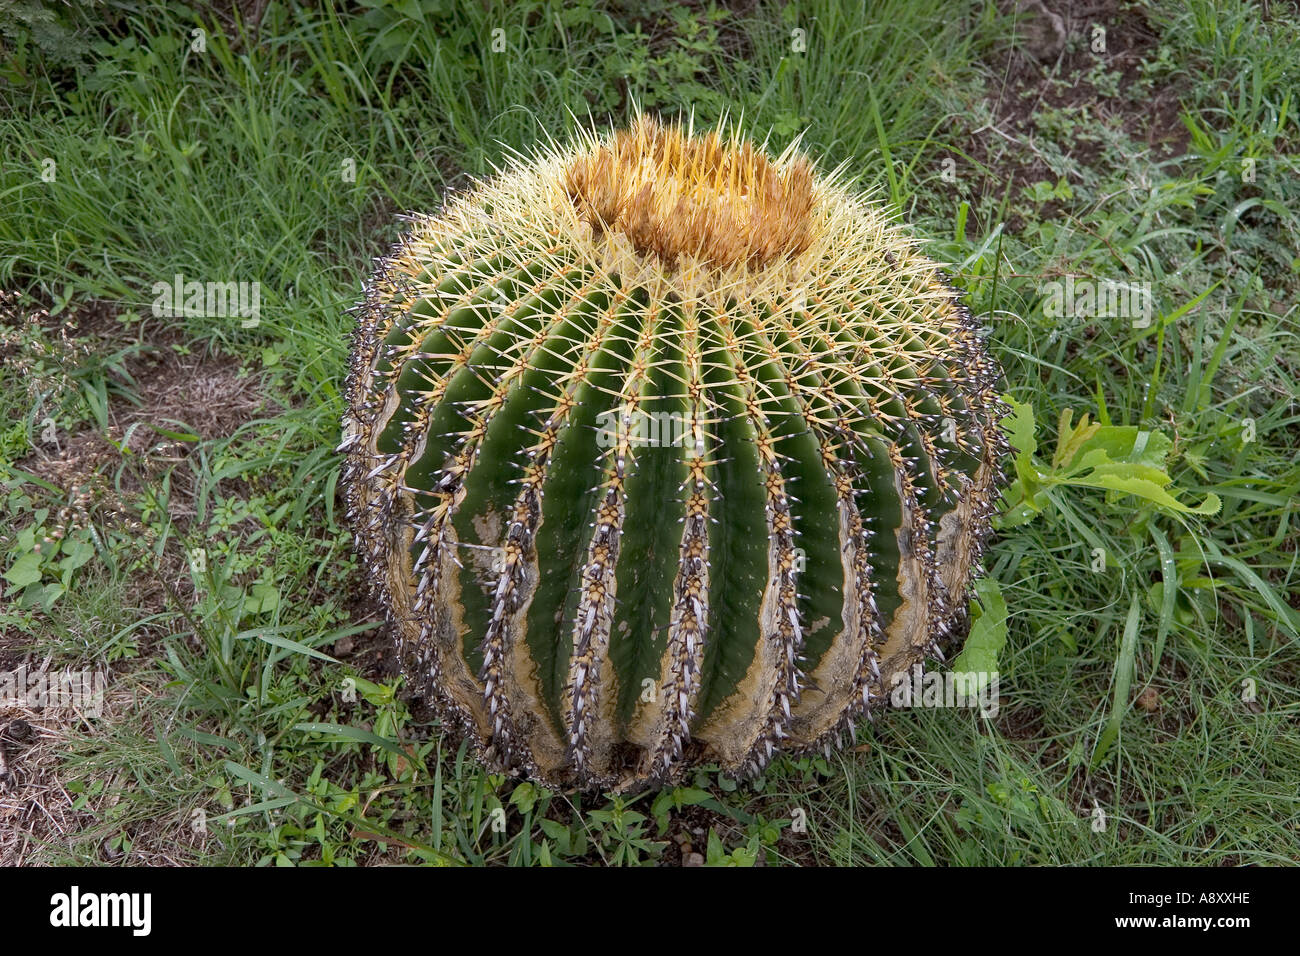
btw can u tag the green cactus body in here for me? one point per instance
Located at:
(660, 452)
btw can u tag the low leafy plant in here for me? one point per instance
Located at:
(1122, 459)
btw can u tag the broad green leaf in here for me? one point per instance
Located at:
(1145, 488)
(524, 797)
(264, 598)
(377, 695)
(1070, 439)
(1126, 469)
(26, 570)
(988, 635)
(1019, 426)
(1128, 443)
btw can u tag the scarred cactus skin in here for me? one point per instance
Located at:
(663, 452)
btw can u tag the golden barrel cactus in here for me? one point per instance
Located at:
(664, 452)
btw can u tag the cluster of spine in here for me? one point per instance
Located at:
(596, 609)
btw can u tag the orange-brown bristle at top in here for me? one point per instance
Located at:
(672, 194)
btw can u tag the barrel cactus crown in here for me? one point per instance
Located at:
(663, 452)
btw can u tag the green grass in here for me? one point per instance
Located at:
(229, 164)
